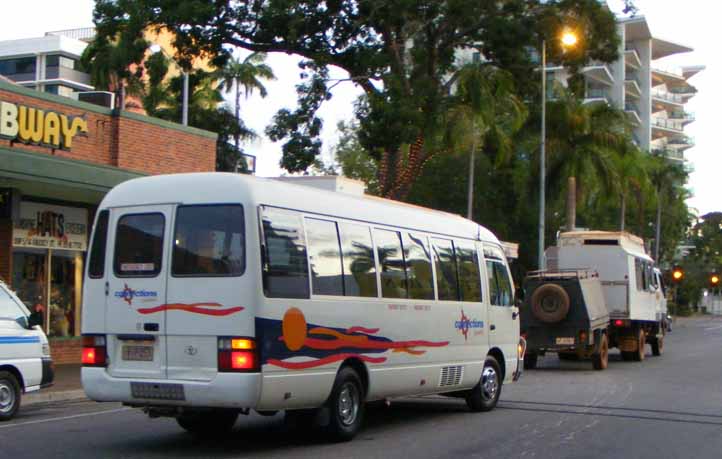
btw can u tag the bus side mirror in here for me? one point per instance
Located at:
(35, 318)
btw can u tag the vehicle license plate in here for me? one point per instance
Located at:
(565, 341)
(138, 353)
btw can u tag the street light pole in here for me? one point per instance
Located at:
(542, 156)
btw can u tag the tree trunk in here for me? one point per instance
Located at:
(658, 226)
(236, 137)
(571, 204)
(470, 194)
(624, 211)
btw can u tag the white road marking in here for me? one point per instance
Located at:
(40, 421)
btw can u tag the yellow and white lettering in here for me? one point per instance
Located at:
(30, 124)
(51, 134)
(8, 120)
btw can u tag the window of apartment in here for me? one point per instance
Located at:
(56, 60)
(324, 254)
(391, 261)
(418, 266)
(447, 282)
(18, 66)
(59, 89)
(285, 267)
(359, 265)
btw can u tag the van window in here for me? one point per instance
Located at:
(139, 245)
(209, 240)
(391, 261)
(500, 293)
(285, 268)
(359, 266)
(639, 273)
(469, 278)
(324, 254)
(9, 309)
(418, 267)
(447, 282)
(96, 264)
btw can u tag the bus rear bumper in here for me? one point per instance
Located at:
(225, 390)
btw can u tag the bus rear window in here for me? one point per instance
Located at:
(139, 245)
(209, 241)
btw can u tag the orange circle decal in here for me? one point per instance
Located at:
(294, 329)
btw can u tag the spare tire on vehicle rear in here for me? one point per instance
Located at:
(550, 303)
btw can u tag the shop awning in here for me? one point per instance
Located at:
(51, 177)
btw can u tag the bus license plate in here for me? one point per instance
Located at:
(138, 353)
(565, 341)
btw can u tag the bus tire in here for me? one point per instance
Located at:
(345, 406)
(9, 395)
(208, 423)
(485, 395)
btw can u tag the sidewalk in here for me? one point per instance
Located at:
(66, 386)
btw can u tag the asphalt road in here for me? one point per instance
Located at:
(664, 407)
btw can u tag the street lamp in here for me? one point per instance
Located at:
(156, 48)
(568, 39)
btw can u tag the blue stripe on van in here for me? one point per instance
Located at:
(19, 339)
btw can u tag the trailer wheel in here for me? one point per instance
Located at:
(641, 346)
(657, 346)
(601, 359)
(530, 360)
(550, 303)
(9, 395)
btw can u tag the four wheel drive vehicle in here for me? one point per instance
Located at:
(25, 364)
(564, 312)
(633, 292)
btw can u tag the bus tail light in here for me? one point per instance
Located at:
(94, 351)
(237, 355)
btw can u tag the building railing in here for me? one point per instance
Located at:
(593, 93)
(670, 153)
(668, 96)
(84, 33)
(681, 115)
(631, 107)
(681, 141)
(668, 123)
(684, 90)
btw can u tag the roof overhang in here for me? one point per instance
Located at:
(663, 48)
(692, 70)
(599, 73)
(636, 28)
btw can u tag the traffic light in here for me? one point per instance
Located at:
(714, 280)
(677, 274)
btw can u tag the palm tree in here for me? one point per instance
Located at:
(582, 142)
(666, 177)
(631, 173)
(247, 75)
(484, 111)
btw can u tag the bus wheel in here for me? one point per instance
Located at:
(485, 395)
(345, 406)
(9, 395)
(601, 360)
(208, 423)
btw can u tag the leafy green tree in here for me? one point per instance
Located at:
(245, 76)
(354, 160)
(399, 53)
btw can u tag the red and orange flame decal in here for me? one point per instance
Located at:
(208, 309)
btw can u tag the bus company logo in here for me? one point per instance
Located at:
(127, 294)
(465, 324)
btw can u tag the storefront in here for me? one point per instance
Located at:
(58, 158)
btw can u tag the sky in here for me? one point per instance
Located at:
(691, 23)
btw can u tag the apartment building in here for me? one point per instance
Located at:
(653, 95)
(49, 63)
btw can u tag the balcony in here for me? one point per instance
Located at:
(597, 95)
(675, 155)
(681, 143)
(64, 73)
(669, 97)
(631, 58)
(632, 89)
(683, 116)
(669, 124)
(599, 73)
(632, 111)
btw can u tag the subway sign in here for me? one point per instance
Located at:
(40, 127)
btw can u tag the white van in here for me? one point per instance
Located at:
(25, 363)
(207, 295)
(632, 286)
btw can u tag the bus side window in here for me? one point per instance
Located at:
(469, 277)
(359, 266)
(285, 271)
(324, 254)
(391, 261)
(447, 280)
(504, 283)
(418, 267)
(493, 285)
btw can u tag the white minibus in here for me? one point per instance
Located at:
(25, 363)
(210, 294)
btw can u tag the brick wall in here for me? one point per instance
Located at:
(124, 140)
(66, 350)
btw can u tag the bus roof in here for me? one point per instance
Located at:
(219, 187)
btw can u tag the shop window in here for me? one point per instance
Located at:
(96, 265)
(285, 268)
(359, 266)
(324, 255)
(65, 291)
(391, 262)
(418, 267)
(469, 278)
(139, 245)
(447, 282)
(209, 240)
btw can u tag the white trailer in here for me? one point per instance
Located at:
(632, 287)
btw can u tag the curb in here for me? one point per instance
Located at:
(58, 396)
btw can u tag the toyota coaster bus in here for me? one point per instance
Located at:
(210, 294)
